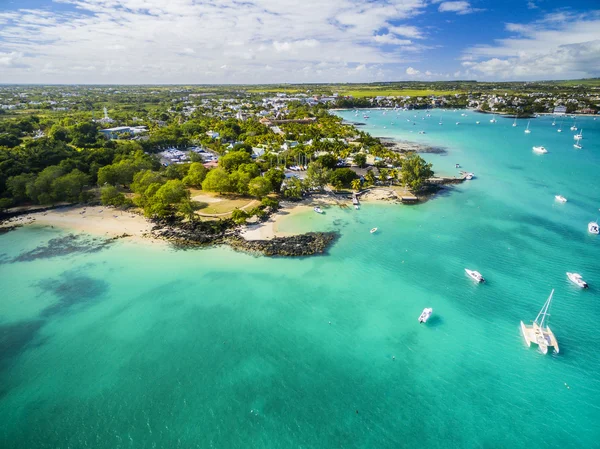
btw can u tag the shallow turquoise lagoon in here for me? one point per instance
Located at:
(131, 345)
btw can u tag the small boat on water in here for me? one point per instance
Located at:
(573, 128)
(475, 275)
(560, 198)
(593, 227)
(514, 123)
(540, 150)
(577, 145)
(318, 210)
(421, 132)
(576, 279)
(373, 231)
(539, 332)
(457, 165)
(469, 176)
(578, 136)
(425, 314)
(356, 206)
(527, 130)
(477, 122)
(493, 119)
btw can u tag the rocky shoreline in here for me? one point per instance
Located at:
(405, 146)
(187, 235)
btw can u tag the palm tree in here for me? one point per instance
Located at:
(394, 174)
(356, 184)
(370, 178)
(383, 174)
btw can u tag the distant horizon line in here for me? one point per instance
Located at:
(301, 84)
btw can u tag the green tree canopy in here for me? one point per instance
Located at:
(217, 180)
(196, 174)
(232, 160)
(259, 187)
(317, 175)
(415, 171)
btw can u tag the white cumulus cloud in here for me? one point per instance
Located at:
(183, 41)
(559, 45)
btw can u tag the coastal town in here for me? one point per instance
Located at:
(217, 158)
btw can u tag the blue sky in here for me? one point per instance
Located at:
(273, 41)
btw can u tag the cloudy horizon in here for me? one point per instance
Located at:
(276, 42)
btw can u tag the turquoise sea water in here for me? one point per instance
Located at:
(134, 345)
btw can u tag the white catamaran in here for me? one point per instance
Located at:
(539, 332)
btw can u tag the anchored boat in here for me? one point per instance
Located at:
(373, 231)
(425, 314)
(540, 150)
(539, 333)
(475, 275)
(576, 279)
(593, 227)
(560, 198)
(318, 210)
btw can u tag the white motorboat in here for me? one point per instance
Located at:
(560, 198)
(318, 210)
(593, 227)
(421, 132)
(457, 165)
(458, 123)
(540, 150)
(573, 128)
(469, 176)
(578, 136)
(477, 122)
(493, 119)
(356, 206)
(425, 314)
(514, 123)
(537, 333)
(373, 231)
(527, 130)
(577, 145)
(475, 275)
(576, 279)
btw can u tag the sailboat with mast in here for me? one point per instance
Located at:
(560, 127)
(527, 130)
(515, 122)
(574, 127)
(539, 332)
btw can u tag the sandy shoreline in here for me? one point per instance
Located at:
(96, 220)
(109, 222)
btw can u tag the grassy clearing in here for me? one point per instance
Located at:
(373, 92)
(215, 204)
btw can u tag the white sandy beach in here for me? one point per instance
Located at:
(96, 220)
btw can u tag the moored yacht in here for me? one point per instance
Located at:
(578, 136)
(540, 150)
(373, 231)
(527, 130)
(469, 176)
(425, 314)
(493, 119)
(577, 145)
(318, 210)
(593, 227)
(539, 332)
(560, 198)
(475, 275)
(576, 279)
